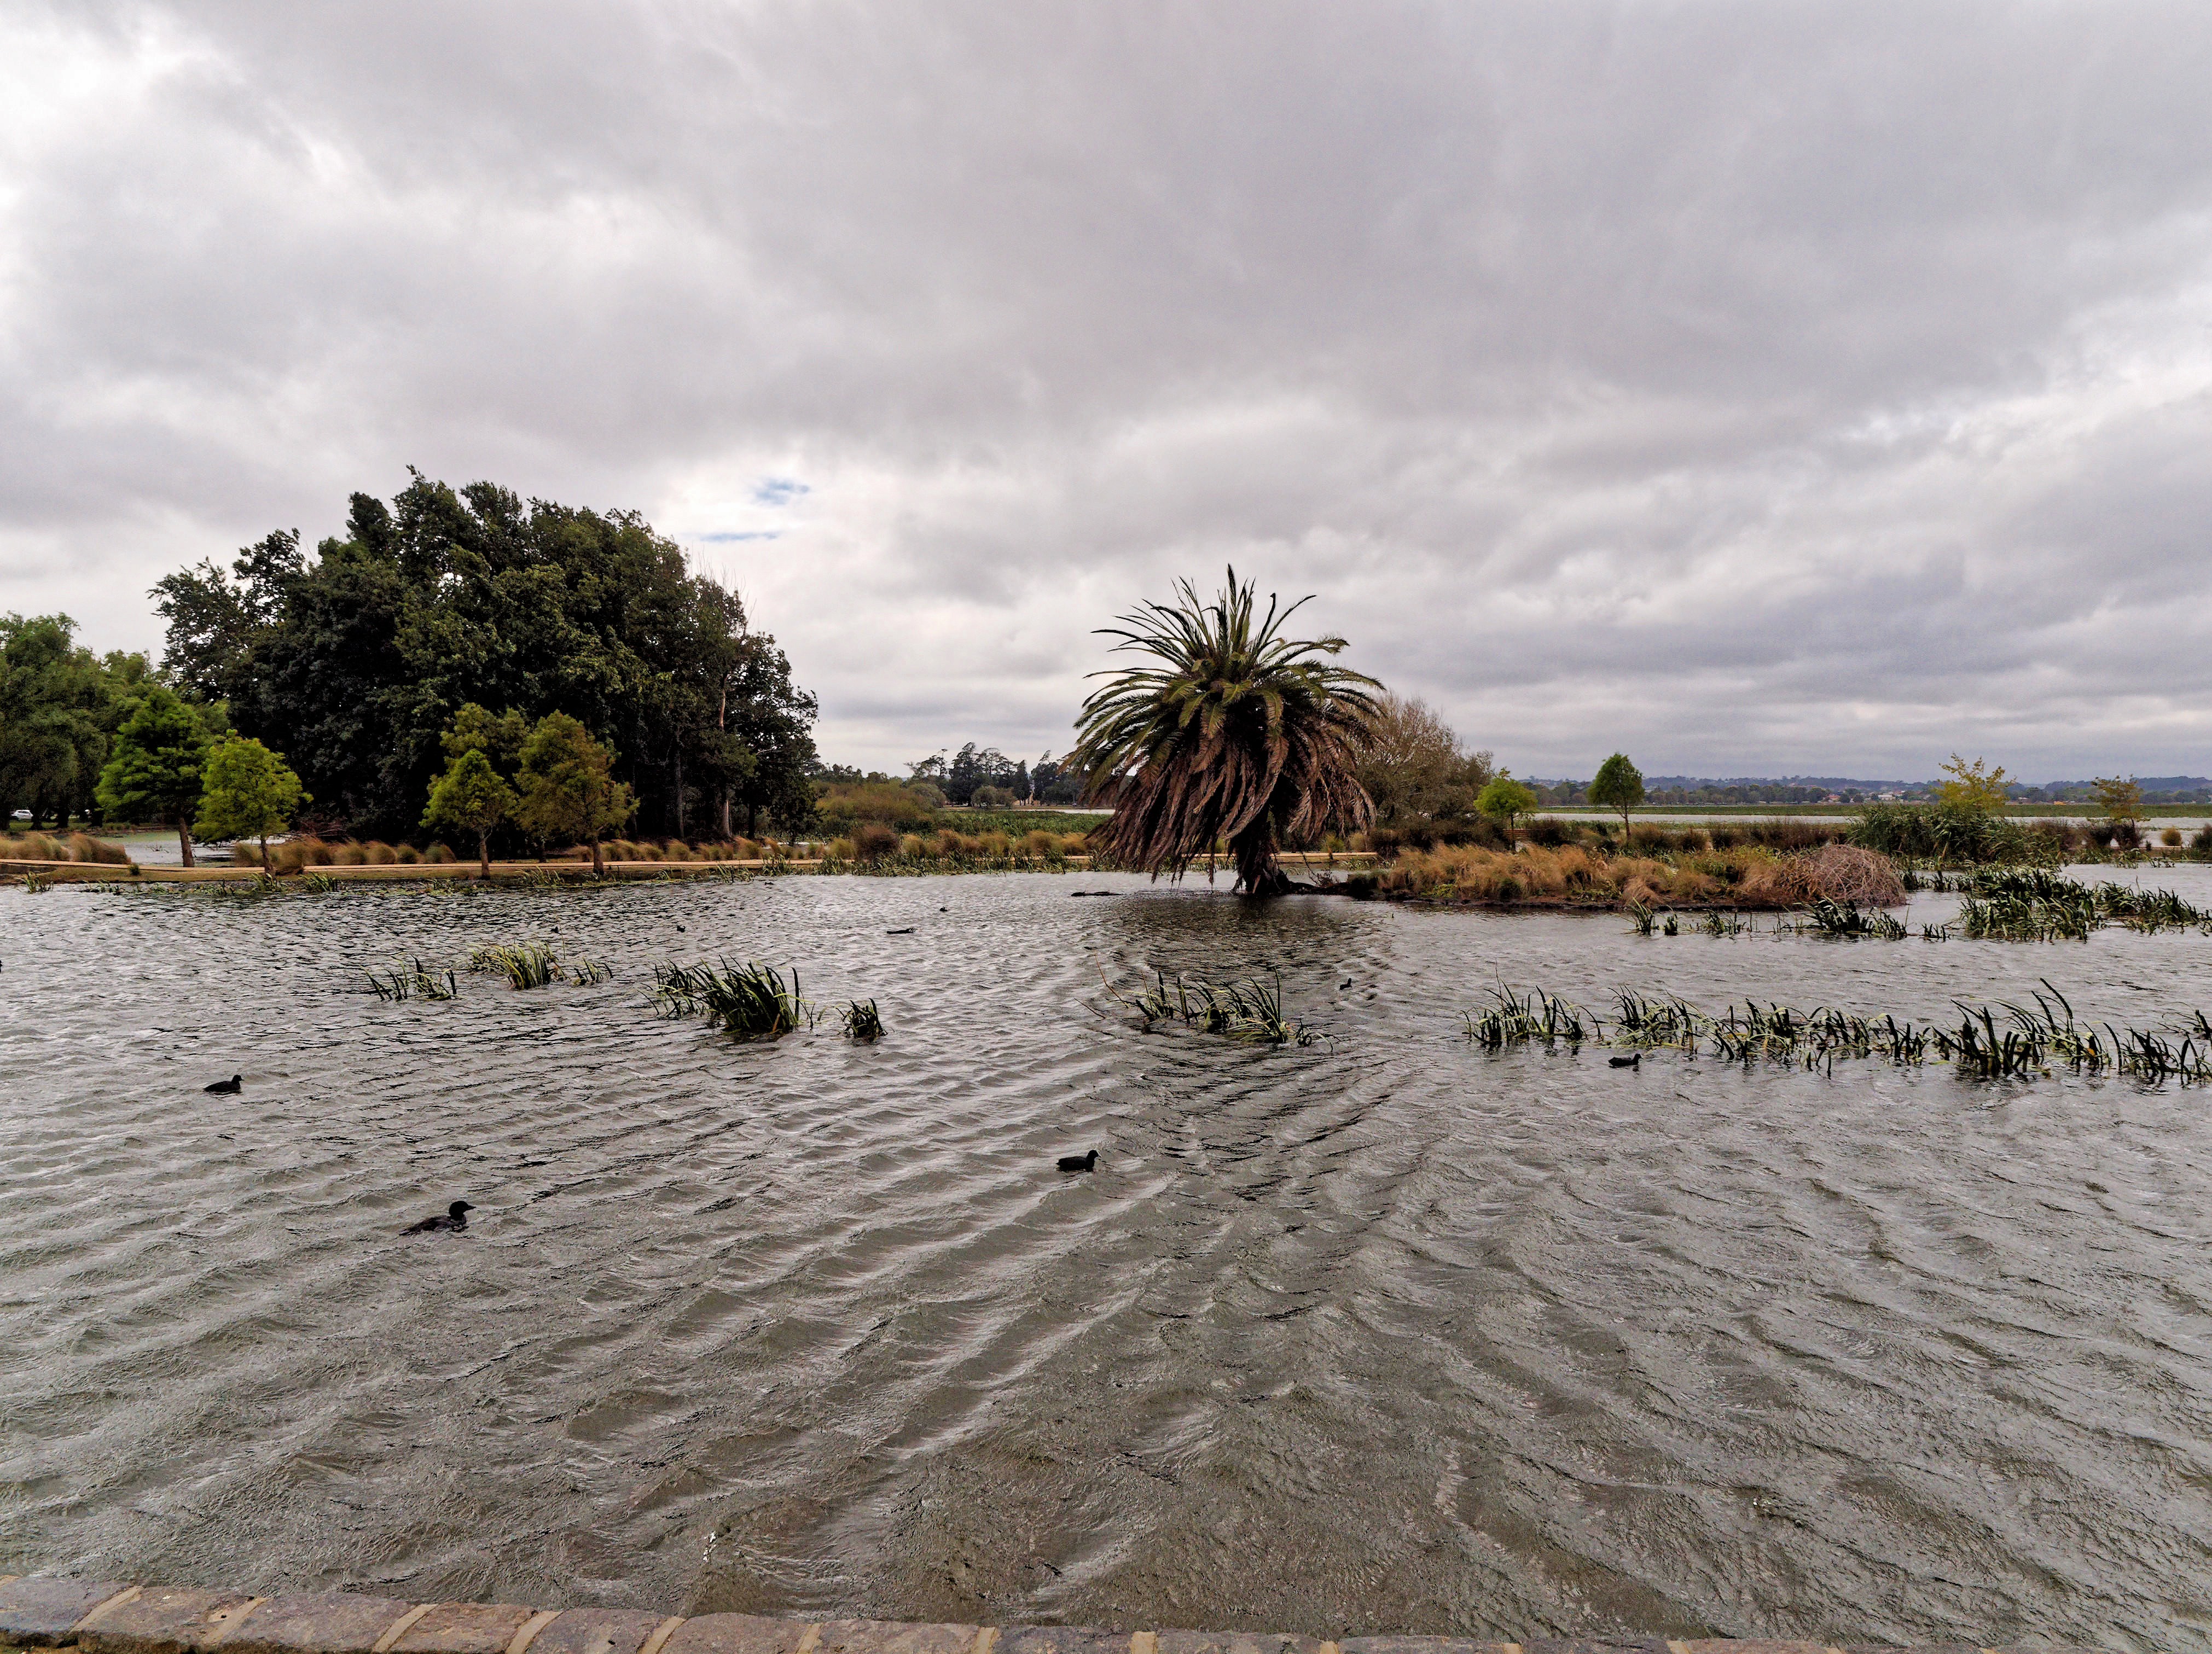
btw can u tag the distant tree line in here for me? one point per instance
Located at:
(1003, 780)
(60, 707)
(356, 661)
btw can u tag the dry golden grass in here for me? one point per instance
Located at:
(77, 847)
(1746, 877)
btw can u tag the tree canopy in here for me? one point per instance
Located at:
(60, 709)
(1619, 784)
(153, 772)
(1239, 734)
(359, 659)
(1972, 786)
(1504, 800)
(247, 793)
(568, 787)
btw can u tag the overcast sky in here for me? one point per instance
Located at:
(1761, 388)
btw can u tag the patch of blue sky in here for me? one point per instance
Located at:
(744, 534)
(778, 490)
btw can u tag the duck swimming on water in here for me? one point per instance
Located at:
(236, 1082)
(1634, 1062)
(1078, 1162)
(456, 1219)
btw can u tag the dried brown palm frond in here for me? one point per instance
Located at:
(1239, 735)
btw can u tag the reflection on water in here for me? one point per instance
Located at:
(1397, 1335)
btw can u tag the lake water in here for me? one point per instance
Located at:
(1390, 1336)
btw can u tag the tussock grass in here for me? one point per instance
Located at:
(750, 1001)
(862, 1019)
(1573, 876)
(76, 847)
(1533, 1018)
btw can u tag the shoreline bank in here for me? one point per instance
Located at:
(111, 1617)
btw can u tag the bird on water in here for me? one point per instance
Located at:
(1078, 1162)
(1635, 1061)
(236, 1082)
(456, 1219)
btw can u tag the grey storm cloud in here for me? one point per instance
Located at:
(1759, 387)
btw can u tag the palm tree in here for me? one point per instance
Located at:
(1238, 734)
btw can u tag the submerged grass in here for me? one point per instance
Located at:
(524, 965)
(415, 982)
(1250, 1009)
(862, 1019)
(2007, 1041)
(750, 1001)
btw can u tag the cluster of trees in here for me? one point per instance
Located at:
(361, 658)
(985, 777)
(60, 707)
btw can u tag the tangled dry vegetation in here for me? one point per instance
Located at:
(1572, 876)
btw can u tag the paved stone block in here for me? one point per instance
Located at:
(595, 1631)
(321, 1623)
(735, 1633)
(1060, 1639)
(1583, 1645)
(166, 1619)
(464, 1628)
(1406, 1645)
(37, 1612)
(1235, 1642)
(892, 1637)
(1749, 1646)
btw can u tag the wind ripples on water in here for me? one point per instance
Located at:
(1388, 1334)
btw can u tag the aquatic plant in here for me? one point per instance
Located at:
(1250, 1009)
(586, 972)
(313, 884)
(750, 1001)
(1536, 1017)
(862, 1019)
(1828, 918)
(2006, 1041)
(524, 965)
(414, 983)
(1641, 919)
(1718, 924)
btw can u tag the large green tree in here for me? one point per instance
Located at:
(1239, 734)
(567, 786)
(472, 796)
(59, 709)
(1505, 801)
(246, 792)
(155, 774)
(1619, 784)
(359, 658)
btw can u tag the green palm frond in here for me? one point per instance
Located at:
(1240, 733)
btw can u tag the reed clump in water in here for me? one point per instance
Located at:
(2007, 1041)
(1250, 1009)
(415, 982)
(750, 1001)
(862, 1020)
(2035, 905)
(524, 965)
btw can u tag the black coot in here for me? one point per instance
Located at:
(1078, 1162)
(1635, 1061)
(236, 1082)
(455, 1218)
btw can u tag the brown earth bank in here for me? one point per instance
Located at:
(110, 1617)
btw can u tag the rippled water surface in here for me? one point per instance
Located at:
(1396, 1334)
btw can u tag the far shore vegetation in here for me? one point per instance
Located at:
(543, 684)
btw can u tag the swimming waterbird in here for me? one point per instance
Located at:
(906, 932)
(1078, 1162)
(456, 1219)
(1625, 1062)
(236, 1082)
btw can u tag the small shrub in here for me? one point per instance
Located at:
(348, 854)
(1041, 845)
(2171, 838)
(83, 847)
(377, 853)
(874, 840)
(912, 847)
(409, 855)
(437, 855)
